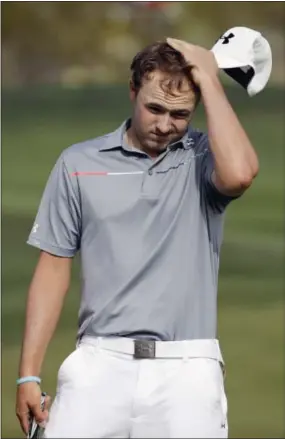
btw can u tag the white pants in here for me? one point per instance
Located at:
(102, 393)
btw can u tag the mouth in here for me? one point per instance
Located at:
(159, 139)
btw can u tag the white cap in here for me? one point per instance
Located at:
(245, 55)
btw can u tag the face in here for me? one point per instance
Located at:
(160, 117)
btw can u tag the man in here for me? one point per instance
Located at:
(145, 206)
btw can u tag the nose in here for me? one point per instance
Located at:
(164, 124)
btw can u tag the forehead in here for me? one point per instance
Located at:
(155, 90)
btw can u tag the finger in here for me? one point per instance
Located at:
(176, 44)
(47, 402)
(24, 421)
(179, 44)
(39, 415)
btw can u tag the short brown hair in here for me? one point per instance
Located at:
(161, 56)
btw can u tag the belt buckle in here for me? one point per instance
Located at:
(144, 349)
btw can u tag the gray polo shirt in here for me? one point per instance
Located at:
(149, 234)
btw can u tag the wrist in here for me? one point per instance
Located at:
(28, 379)
(209, 81)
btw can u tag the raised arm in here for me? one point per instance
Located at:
(235, 161)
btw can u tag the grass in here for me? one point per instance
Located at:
(36, 126)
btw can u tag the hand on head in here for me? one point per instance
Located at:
(201, 61)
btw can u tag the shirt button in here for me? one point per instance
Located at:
(150, 172)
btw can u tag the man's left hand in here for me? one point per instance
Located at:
(201, 61)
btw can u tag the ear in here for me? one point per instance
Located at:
(133, 92)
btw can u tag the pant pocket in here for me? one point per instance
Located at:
(67, 362)
(78, 368)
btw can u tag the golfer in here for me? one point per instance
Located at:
(144, 205)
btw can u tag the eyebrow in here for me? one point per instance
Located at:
(156, 106)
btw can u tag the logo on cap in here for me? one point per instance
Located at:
(226, 38)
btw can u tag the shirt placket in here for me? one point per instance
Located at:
(150, 187)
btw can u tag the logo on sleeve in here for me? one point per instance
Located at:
(35, 228)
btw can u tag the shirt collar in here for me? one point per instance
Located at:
(186, 141)
(116, 140)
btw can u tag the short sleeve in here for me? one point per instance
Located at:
(213, 197)
(57, 227)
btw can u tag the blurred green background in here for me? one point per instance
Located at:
(48, 104)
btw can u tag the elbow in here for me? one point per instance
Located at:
(247, 177)
(244, 183)
(246, 173)
(244, 179)
(236, 183)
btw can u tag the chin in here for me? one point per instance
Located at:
(155, 146)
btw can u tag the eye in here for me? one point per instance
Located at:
(155, 110)
(180, 115)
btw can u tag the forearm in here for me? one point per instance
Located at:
(236, 162)
(44, 304)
